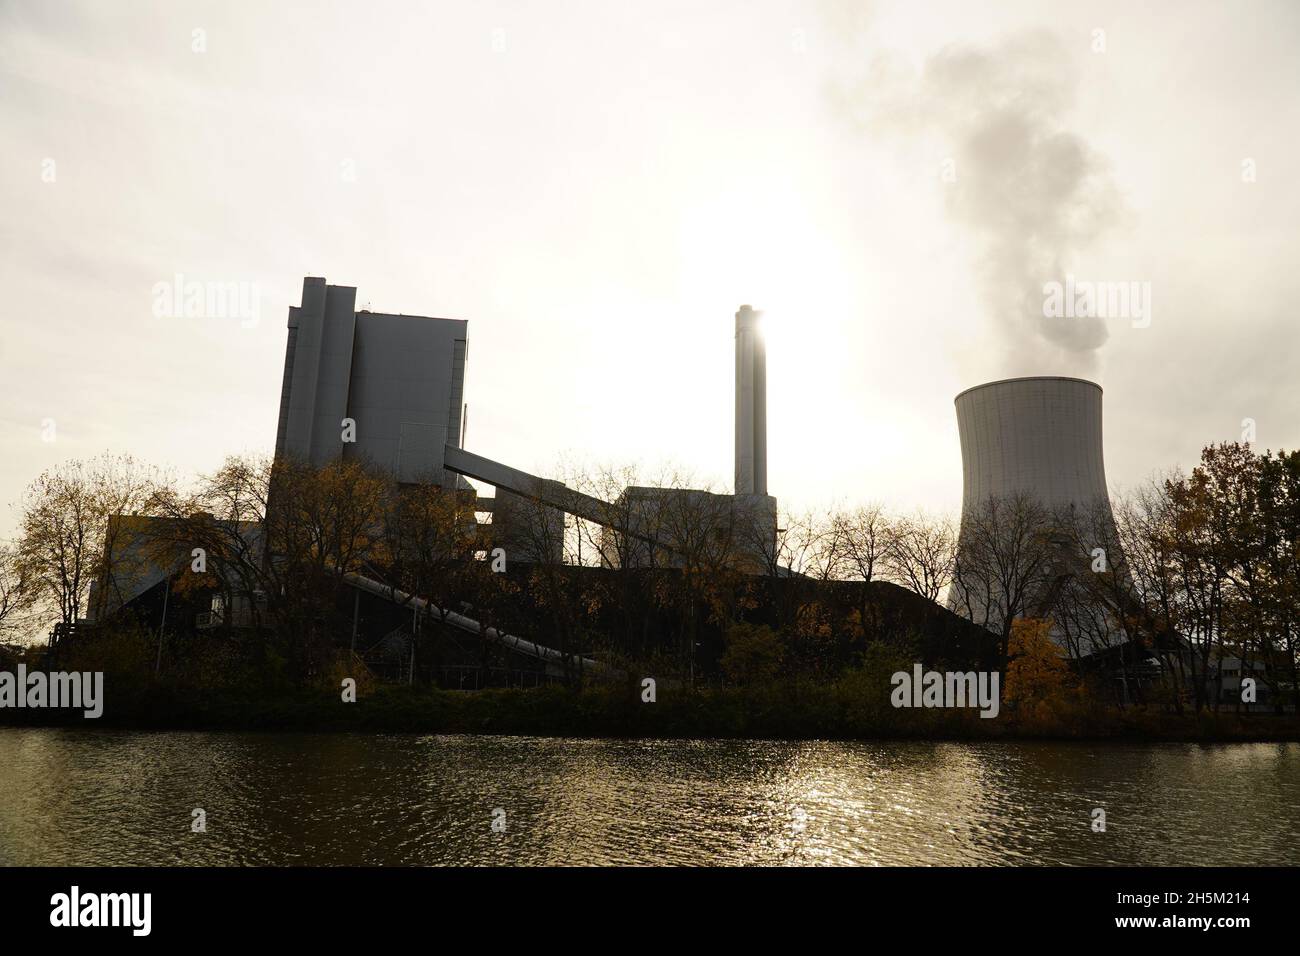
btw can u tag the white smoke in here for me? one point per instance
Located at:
(1032, 193)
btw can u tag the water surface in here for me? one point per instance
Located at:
(102, 797)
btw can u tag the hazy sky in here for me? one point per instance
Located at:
(597, 186)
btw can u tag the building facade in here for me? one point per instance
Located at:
(399, 380)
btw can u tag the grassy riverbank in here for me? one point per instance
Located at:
(783, 711)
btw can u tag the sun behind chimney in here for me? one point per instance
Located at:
(751, 405)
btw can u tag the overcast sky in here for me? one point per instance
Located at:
(597, 186)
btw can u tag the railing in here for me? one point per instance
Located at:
(65, 630)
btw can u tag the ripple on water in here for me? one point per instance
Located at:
(99, 797)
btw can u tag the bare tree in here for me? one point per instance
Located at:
(609, 540)
(1004, 563)
(811, 545)
(862, 542)
(703, 531)
(919, 553)
(617, 543)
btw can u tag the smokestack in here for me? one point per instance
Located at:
(751, 405)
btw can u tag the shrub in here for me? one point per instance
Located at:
(753, 654)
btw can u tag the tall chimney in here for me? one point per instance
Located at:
(751, 405)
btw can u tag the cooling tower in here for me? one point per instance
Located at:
(1036, 438)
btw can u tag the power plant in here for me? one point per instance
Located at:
(389, 389)
(398, 381)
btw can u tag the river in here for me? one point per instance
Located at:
(101, 797)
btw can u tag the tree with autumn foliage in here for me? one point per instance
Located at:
(280, 537)
(17, 595)
(71, 536)
(1037, 673)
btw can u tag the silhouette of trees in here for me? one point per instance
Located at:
(17, 593)
(70, 535)
(278, 539)
(1200, 571)
(1004, 562)
(919, 553)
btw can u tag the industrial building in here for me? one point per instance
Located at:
(399, 378)
(390, 389)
